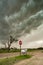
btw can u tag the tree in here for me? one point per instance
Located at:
(7, 43)
(10, 41)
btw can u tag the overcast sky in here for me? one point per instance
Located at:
(22, 19)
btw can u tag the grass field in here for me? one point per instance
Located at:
(5, 50)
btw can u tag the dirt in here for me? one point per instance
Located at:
(37, 59)
(7, 55)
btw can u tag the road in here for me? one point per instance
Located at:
(37, 59)
(7, 55)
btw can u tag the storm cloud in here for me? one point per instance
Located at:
(18, 17)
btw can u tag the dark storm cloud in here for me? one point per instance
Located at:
(10, 6)
(19, 16)
(4, 30)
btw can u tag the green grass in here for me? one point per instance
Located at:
(12, 60)
(5, 50)
(10, 51)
